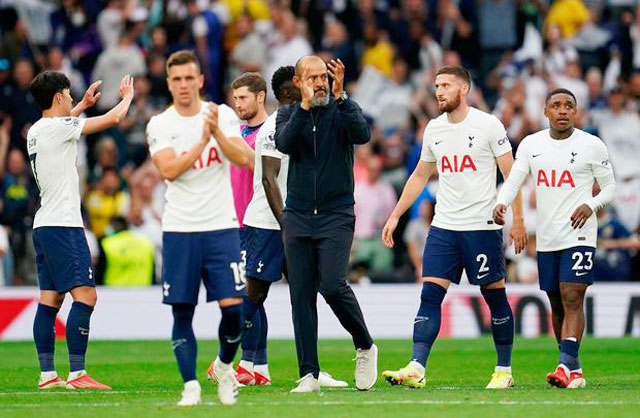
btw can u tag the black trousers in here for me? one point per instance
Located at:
(317, 248)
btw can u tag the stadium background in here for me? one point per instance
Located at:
(517, 50)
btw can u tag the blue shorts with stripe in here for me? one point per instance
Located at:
(479, 253)
(211, 257)
(573, 264)
(63, 259)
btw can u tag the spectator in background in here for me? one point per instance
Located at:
(106, 158)
(20, 104)
(250, 53)
(206, 33)
(337, 45)
(597, 105)
(497, 27)
(133, 126)
(111, 20)
(117, 61)
(18, 193)
(375, 199)
(569, 15)
(613, 259)
(290, 46)
(62, 64)
(619, 128)
(557, 52)
(158, 78)
(105, 202)
(415, 236)
(158, 39)
(74, 31)
(378, 51)
(126, 258)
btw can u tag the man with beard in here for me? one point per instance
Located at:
(318, 134)
(463, 144)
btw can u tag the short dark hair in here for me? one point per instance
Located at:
(184, 56)
(460, 72)
(252, 80)
(46, 85)
(559, 91)
(281, 76)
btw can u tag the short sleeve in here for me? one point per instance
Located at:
(497, 137)
(156, 139)
(229, 122)
(269, 144)
(69, 128)
(521, 162)
(426, 154)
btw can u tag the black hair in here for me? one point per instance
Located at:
(46, 85)
(282, 75)
(560, 91)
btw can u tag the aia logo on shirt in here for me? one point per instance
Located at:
(552, 179)
(213, 157)
(457, 165)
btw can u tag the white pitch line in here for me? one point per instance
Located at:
(341, 403)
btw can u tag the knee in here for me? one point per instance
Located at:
(572, 300)
(86, 295)
(258, 292)
(330, 291)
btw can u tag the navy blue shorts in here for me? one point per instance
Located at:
(479, 253)
(570, 265)
(62, 258)
(212, 257)
(265, 254)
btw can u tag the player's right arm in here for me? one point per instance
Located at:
(270, 171)
(164, 157)
(415, 185)
(511, 187)
(115, 115)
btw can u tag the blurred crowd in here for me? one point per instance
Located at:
(516, 50)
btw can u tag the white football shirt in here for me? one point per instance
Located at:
(259, 214)
(465, 155)
(52, 144)
(201, 198)
(563, 173)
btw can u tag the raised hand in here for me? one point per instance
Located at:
(307, 92)
(126, 87)
(92, 94)
(580, 216)
(336, 71)
(211, 119)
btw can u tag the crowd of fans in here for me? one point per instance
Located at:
(516, 50)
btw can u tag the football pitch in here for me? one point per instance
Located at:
(147, 384)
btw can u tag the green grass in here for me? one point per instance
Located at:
(146, 382)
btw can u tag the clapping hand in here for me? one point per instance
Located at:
(336, 71)
(92, 95)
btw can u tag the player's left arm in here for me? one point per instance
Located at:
(89, 99)
(115, 115)
(603, 175)
(517, 233)
(355, 124)
(270, 171)
(234, 148)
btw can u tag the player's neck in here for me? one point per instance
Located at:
(191, 110)
(458, 114)
(258, 119)
(54, 112)
(560, 135)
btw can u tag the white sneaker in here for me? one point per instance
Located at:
(190, 394)
(327, 381)
(50, 380)
(307, 384)
(366, 368)
(227, 388)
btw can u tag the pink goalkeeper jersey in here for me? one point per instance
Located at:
(242, 178)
